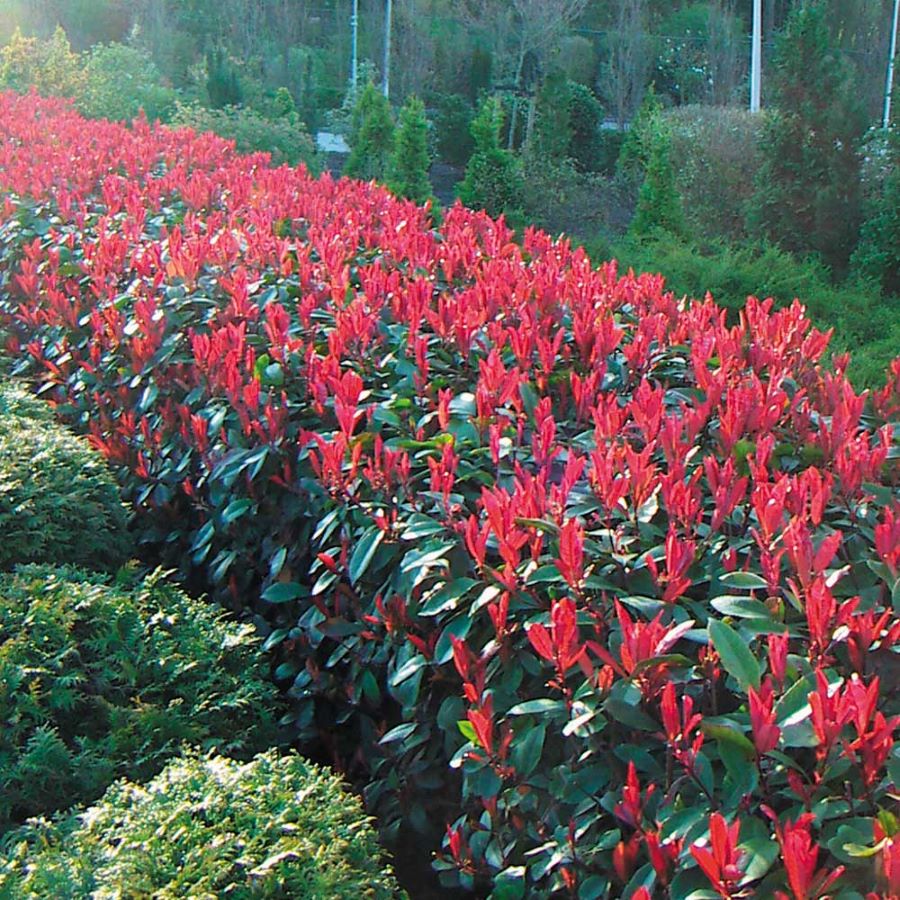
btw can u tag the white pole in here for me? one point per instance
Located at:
(354, 47)
(889, 86)
(387, 47)
(756, 58)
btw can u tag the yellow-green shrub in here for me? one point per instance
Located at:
(277, 826)
(58, 501)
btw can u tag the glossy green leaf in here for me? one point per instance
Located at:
(736, 656)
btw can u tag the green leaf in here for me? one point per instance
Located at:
(363, 553)
(741, 607)
(467, 730)
(427, 556)
(282, 592)
(528, 749)
(730, 734)
(235, 510)
(420, 526)
(400, 733)
(509, 884)
(447, 597)
(743, 580)
(736, 656)
(542, 707)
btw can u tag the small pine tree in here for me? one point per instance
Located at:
(371, 136)
(493, 178)
(410, 162)
(659, 203)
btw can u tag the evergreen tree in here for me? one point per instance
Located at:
(371, 136)
(222, 83)
(807, 193)
(410, 160)
(493, 178)
(635, 153)
(659, 203)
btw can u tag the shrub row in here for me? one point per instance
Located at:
(602, 584)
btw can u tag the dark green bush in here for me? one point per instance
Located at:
(274, 827)
(58, 501)
(371, 135)
(99, 682)
(493, 178)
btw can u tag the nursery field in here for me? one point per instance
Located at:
(589, 587)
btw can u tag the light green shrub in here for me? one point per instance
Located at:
(98, 682)
(285, 137)
(58, 501)
(121, 81)
(271, 828)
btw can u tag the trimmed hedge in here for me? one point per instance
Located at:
(59, 503)
(273, 827)
(98, 682)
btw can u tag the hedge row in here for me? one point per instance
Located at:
(602, 586)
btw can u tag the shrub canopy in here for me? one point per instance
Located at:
(208, 827)
(59, 502)
(101, 681)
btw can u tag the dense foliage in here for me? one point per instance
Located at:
(807, 188)
(207, 827)
(284, 138)
(102, 681)
(599, 582)
(493, 179)
(58, 500)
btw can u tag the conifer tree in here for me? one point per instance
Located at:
(493, 179)
(371, 136)
(410, 160)
(659, 203)
(807, 193)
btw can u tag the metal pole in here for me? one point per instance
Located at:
(388, 10)
(354, 47)
(889, 86)
(756, 59)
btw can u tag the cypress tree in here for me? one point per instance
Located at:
(410, 161)
(659, 203)
(371, 136)
(493, 178)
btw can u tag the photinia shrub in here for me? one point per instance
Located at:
(599, 585)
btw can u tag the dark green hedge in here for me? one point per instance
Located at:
(274, 827)
(59, 503)
(99, 682)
